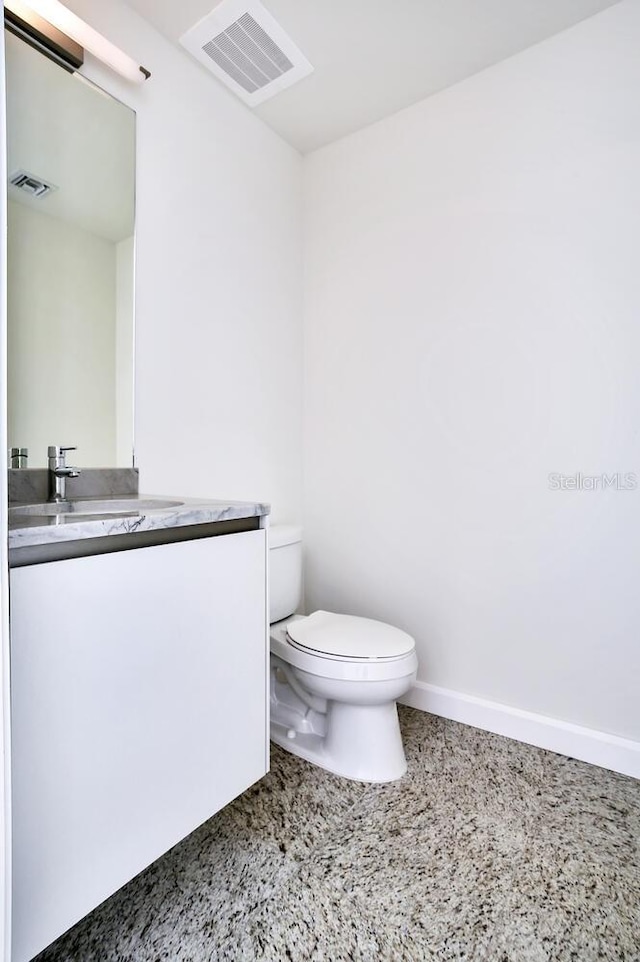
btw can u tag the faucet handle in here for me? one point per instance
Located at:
(55, 450)
(58, 456)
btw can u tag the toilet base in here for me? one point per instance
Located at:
(359, 742)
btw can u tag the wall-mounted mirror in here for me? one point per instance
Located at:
(71, 153)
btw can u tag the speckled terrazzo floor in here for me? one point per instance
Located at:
(487, 851)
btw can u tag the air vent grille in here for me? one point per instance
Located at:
(30, 184)
(250, 62)
(247, 49)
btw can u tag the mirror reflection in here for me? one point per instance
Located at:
(71, 168)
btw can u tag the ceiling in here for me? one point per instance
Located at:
(63, 130)
(373, 58)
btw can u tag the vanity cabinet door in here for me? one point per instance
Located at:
(139, 687)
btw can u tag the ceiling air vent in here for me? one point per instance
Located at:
(34, 186)
(242, 44)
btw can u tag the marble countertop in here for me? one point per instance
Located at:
(30, 530)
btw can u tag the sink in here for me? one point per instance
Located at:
(79, 509)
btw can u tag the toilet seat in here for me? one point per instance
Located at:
(333, 666)
(348, 638)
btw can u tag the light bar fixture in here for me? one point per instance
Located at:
(26, 20)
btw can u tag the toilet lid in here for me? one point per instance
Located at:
(345, 636)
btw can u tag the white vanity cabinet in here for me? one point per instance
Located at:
(139, 709)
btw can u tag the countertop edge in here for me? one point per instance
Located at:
(191, 512)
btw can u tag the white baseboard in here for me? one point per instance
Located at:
(598, 748)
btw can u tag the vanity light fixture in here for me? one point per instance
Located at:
(57, 32)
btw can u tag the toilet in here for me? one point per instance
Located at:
(334, 679)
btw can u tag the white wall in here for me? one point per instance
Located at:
(472, 296)
(218, 280)
(62, 338)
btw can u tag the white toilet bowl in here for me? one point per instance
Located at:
(334, 684)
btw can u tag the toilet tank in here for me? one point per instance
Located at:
(285, 570)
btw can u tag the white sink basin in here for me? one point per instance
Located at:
(84, 508)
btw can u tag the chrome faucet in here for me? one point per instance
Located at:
(59, 471)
